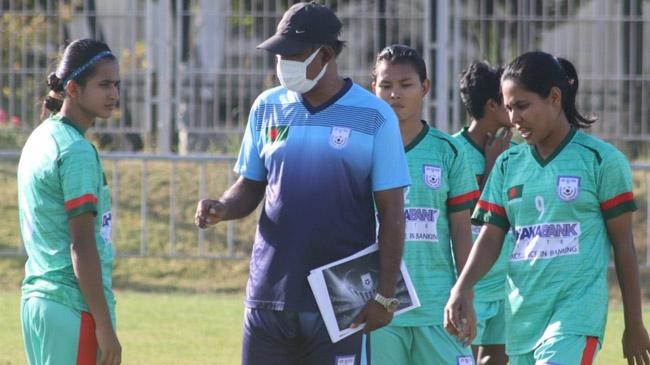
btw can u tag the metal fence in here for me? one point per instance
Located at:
(604, 39)
(154, 200)
(190, 69)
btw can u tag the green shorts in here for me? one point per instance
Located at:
(392, 345)
(55, 334)
(490, 323)
(561, 350)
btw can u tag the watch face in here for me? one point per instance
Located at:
(393, 304)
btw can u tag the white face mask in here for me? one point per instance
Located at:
(293, 74)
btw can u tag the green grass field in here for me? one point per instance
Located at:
(188, 311)
(154, 328)
(188, 329)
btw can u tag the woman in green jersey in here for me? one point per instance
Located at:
(568, 197)
(68, 308)
(437, 211)
(480, 91)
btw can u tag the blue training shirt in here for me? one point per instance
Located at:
(321, 166)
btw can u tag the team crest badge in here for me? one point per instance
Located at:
(568, 187)
(366, 281)
(339, 137)
(432, 176)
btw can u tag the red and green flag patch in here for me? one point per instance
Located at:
(277, 133)
(515, 192)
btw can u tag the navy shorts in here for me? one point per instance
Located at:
(297, 338)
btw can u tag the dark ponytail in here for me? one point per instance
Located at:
(538, 72)
(54, 98)
(569, 101)
(77, 64)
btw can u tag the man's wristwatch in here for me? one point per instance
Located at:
(390, 304)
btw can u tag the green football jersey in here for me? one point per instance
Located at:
(59, 177)
(493, 284)
(442, 184)
(558, 206)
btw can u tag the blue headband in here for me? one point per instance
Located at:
(83, 67)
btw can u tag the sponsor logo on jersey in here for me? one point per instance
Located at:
(277, 133)
(106, 227)
(515, 192)
(547, 230)
(421, 224)
(568, 187)
(339, 137)
(432, 176)
(421, 214)
(545, 241)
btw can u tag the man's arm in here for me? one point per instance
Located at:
(390, 208)
(237, 202)
(87, 269)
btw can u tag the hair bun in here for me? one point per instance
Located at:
(54, 82)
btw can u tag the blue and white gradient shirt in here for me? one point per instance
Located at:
(321, 166)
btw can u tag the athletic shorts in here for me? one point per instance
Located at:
(296, 338)
(490, 323)
(392, 345)
(561, 350)
(55, 334)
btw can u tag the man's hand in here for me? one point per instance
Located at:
(209, 212)
(374, 315)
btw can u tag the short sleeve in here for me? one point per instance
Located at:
(463, 190)
(80, 182)
(249, 163)
(615, 186)
(389, 167)
(490, 205)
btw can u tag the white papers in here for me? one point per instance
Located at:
(343, 287)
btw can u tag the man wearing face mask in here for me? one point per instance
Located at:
(324, 151)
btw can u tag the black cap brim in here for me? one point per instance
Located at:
(283, 45)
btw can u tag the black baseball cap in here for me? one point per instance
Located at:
(302, 26)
